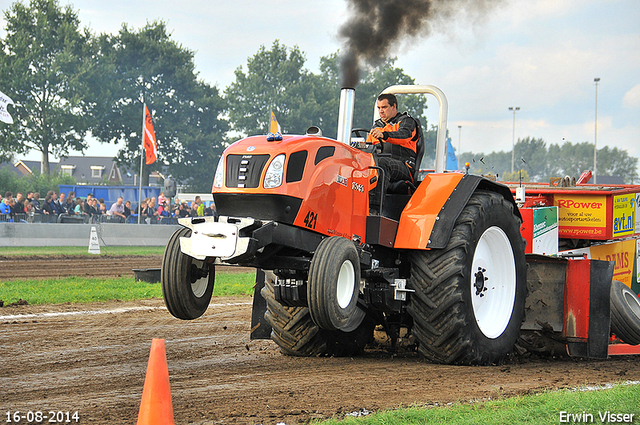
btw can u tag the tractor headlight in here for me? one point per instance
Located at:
(273, 176)
(219, 177)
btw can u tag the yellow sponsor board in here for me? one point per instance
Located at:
(581, 215)
(623, 253)
(624, 212)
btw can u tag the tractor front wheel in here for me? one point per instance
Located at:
(469, 301)
(297, 335)
(187, 283)
(334, 285)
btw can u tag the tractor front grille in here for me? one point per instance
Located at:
(245, 170)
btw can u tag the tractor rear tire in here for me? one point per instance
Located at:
(469, 301)
(625, 313)
(334, 285)
(297, 335)
(187, 283)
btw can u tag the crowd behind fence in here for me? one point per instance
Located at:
(89, 210)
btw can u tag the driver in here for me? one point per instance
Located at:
(398, 135)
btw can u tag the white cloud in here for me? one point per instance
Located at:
(541, 55)
(631, 98)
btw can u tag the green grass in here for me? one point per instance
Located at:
(79, 250)
(82, 290)
(543, 408)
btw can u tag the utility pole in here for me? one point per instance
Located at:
(595, 139)
(513, 140)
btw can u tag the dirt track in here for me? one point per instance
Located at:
(95, 363)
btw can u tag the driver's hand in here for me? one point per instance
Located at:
(376, 133)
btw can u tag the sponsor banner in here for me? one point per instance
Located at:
(581, 216)
(638, 214)
(622, 252)
(638, 261)
(624, 213)
(545, 231)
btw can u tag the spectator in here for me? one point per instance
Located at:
(20, 209)
(79, 208)
(163, 210)
(35, 202)
(101, 206)
(28, 210)
(161, 200)
(210, 210)
(5, 206)
(88, 205)
(12, 206)
(30, 196)
(142, 210)
(117, 209)
(151, 212)
(62, 207)
(47, 207)
(200, 209)
(55, 210)
(161, 207)
(183, 211)
(70, 204)
(127, 209)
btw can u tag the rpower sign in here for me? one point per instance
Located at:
(581, 215)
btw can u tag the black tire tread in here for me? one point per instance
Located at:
(320, 292)
(296, 334)
(180, 302)
(624, 322)
(441, 324)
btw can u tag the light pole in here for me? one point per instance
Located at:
(513, 140)
(459, 138)
(595, 139)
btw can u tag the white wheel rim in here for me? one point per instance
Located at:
(493, 282)
(199, 287)
(345, 284)
(633, 302)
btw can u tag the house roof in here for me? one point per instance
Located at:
(25, 167)
(90, 169)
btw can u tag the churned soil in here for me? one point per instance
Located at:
(92, 358)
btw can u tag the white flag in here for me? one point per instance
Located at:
(4, 114)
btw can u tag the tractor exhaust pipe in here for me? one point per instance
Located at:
(345, 114)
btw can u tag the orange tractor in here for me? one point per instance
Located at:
(443, 260)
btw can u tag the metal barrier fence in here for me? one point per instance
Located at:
(84, 219)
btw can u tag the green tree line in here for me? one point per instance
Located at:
(536, 161)
(72, 86)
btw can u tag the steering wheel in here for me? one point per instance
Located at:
(359, 131)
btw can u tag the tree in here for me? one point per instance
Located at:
(541, 164)
(147, 66)
(277, 81)
(42, 64)
(617, 162)
(531, 154)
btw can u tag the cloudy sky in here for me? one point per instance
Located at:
(539, 55)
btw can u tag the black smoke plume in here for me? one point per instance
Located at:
(375, 29)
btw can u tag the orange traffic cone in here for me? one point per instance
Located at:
(156, 407)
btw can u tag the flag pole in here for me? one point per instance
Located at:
(142, 154)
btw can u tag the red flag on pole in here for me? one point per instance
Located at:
(150, 143)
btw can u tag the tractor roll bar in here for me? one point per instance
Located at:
(441, 144)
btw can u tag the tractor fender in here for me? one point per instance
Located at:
(428, 219)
